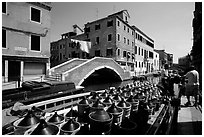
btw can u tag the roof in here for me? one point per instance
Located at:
(142, 33)
(119, 13)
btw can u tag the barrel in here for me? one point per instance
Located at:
(83, 105)
(100, 122)
(134, 103)
(43, 128)
(127, 127)
(125, 106)
(23, 124)
(71, 127)
(116, 112)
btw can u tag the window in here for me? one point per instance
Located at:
(139, 64)
(132, 44)
(35, 42)
(136, 64)
(118, 37)
(119, 23)
(132, 32)
(110, 23)
(35, 15)
(109, 37)
(3, 38)
(124, 40)
(124, 27)
(87, 29)
(142, 52)
(139, 51)
(97, 53)
(50, 105)
(109, 52)
(135, 49)
(128, 41)
(4, 8)
(97, 40)
(150, 54)
(97, 27)
(125, 18)
(128, 30)
(118, 52)
(124, 54)
(142, 64)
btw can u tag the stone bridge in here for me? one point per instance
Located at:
(78, 70)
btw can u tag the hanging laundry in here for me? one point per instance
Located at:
(85, 46)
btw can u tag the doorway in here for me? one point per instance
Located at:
(13, 70)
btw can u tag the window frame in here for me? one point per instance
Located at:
(118, 51)
(96, 26)
(97, 42)
(111, 50)
(30, 43)
(110, 37)
(5, 7)
(5, 39)
(118, 37)
(109, 21)
(40, 15)
(118, 23)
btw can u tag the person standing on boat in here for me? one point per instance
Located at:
(192, 85)
(164, 77)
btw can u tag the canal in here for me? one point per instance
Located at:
(103, 84)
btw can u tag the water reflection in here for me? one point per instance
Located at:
(102, 86)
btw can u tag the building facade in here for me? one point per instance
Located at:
(156, 61)
(164, 58)
(25, 40)
(184, 62)
(196, 52)
(113, 37)
(67, 48)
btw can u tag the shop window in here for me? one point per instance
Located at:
(35, 15)
(35, 42)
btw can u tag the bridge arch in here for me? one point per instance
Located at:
(100, 68)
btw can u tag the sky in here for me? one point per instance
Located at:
(169, 24)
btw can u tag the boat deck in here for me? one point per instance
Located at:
(189, 119)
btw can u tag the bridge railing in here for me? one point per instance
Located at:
(67, 65)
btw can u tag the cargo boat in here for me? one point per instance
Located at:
(33, 91)
(158, 123)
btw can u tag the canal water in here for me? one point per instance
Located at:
(106, 85)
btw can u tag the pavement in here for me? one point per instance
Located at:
(189, 119)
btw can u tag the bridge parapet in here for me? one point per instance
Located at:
(79, 73)
(66, 66)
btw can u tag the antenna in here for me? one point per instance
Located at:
(97, 13)
(113, 8)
